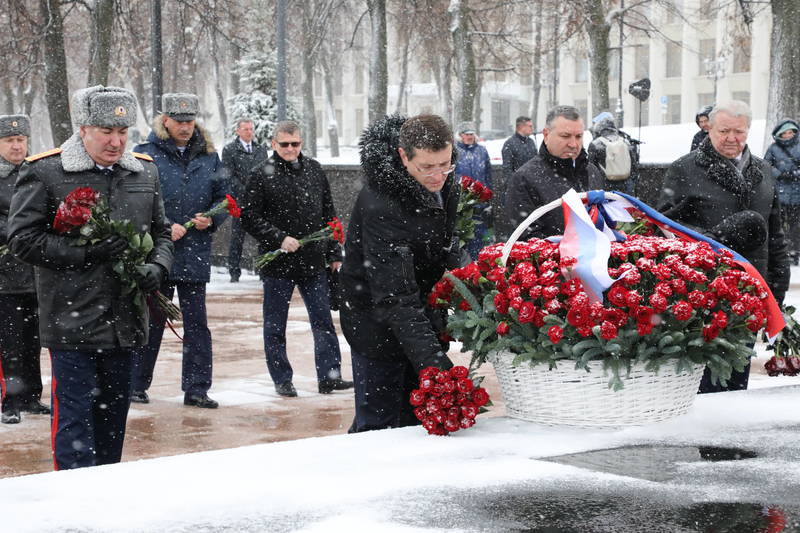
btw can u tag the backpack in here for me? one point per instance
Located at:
(618, 158)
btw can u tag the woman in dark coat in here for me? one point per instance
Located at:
(784, 156)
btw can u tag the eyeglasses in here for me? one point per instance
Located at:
(293, 144)
(435, 171)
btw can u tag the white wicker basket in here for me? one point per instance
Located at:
(565, 396)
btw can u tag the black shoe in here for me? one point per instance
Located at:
(11, 416)
(35, 407)
(327, 386)
(200, 400)
(286, 389)
(140, 396)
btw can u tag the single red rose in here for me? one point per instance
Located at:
(451, 424)
(555, 333)
(644, 328)
(502, 329)
(446, 400)
(793, 365)
(463, 305)
(659, 302)
(578, 316)
(710, 332)
(469, 411)
(236, 212)
(426, 384)
(428, 372)
(527, 312)
(464, 385)
(449, 386)
(720, 319)
(466, 422)
(617, 295)
(608, 330)
(459, 371)
(501, 303)
(417, 397)
(480, 397)
(442, 376)
(85, 196)
(421, 413)
(682, 310)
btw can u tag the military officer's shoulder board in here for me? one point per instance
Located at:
(142, 156)
(42, 155)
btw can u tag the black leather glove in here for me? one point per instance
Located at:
(457, 256)
(149, 276)
(743, 232)
(106, 250)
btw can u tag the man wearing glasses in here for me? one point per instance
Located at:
(288, 196)
(399, 242)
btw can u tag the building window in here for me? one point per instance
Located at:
(673, 109)
(339, 122)
(708, 54)
(744, 96)
(501, 114)
(583, 108)
(705, 99)
(674, 59)
(673, 9)
(741, 55)
(359, 121)
(359, 89)
(642, 61)
(613, 64)
(337, 82)
(581, 69)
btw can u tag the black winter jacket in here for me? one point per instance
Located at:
(282, 201)
(15, 276)
(543, 179)
(699, 137)
(239, 163)
(397, 247)
(517, 150)
(80, 304)
(702, 189)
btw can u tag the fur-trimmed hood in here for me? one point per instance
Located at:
(199, 133)
(383, 168)
(75, 158)
(6, 167)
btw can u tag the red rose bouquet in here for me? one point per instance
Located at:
(674, 301)
(333, 230)
(84, 214)
(473, 193)
(228, 204)
(786, 348)
(447, 401)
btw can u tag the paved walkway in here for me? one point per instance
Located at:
(250, 411)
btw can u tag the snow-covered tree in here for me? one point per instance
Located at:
(258, 98)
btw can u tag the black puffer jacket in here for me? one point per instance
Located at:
(703, 189)
(283, 201)
(15, 276)
(80, 304)
(397, 247)
(543, 179)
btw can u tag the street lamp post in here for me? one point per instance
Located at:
(715, 68)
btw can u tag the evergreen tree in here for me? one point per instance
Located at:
(258, 98)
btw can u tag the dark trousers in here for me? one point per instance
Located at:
(790, 214)
(277, 295)
(91, 397)
(382, 389)
(235, 249)
(20, 373)
(197, 366)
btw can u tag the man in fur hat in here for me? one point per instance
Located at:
(21, 376)
(193, 181)
(89, 327)
(724, 191)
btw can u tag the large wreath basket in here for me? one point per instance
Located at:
(574, 397)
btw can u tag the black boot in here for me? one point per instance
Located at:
(327, 386)
(199, 400)
(11, 413)
(35, 407)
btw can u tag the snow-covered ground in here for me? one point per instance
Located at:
(661, 144)
(399, 480)
(406, 481)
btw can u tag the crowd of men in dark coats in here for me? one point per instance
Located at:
(400, 240)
